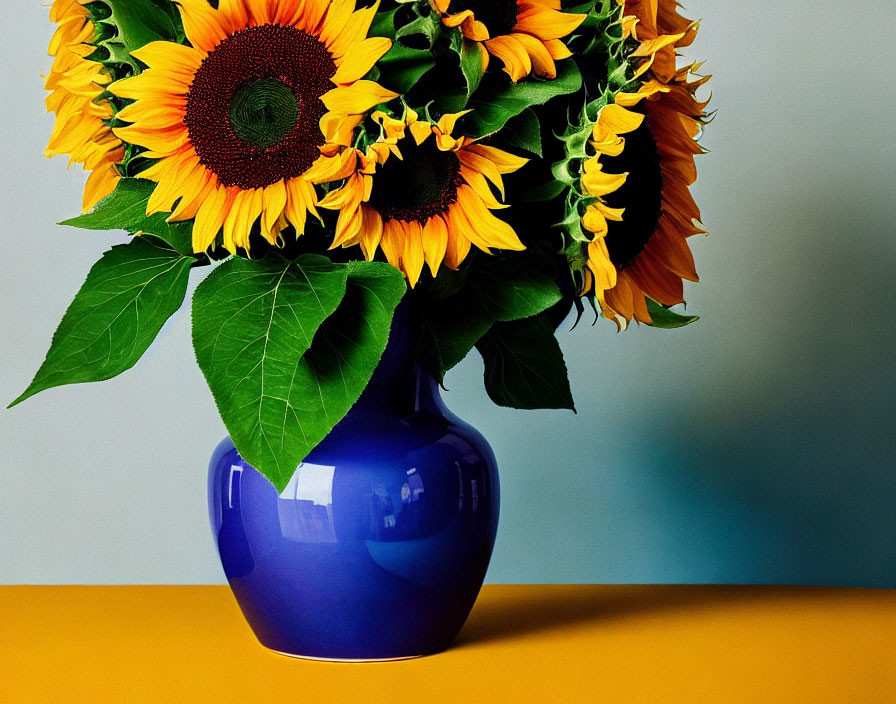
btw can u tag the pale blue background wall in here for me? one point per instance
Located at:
(756, 446)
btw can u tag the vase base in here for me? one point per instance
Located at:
(357, 660)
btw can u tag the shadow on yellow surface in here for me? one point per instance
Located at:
(541, 610)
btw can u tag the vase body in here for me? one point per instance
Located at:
(379, 545)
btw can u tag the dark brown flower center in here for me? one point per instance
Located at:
(420, 186)
(498, 16)
(641, 196)
(253, 109)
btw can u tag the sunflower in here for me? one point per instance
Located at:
(236, 119)
(77, 86)
(659, 31)
(524, 34)
(419, 194)
(643, 212)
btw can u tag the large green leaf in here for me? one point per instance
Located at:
(127, 297)
(281, 376)
(498, 99)
(125, 209)
(524, 366)
(497, 289)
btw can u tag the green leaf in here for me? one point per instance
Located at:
(127, 297)
(524, 366)
(667, 319)
(498, 100)
(283, 377)
(401, 68)
(497, 289)
(125, 209)
(523, 132)
(470, 58)
(252, 322)
(428, 26)
(350, 343)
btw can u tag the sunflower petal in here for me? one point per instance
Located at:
(358, 98)
(360, 58)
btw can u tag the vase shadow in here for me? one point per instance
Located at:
(531, 610)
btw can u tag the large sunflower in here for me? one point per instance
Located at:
(644, 147)
(419, 194)
(76, 87)
(659, 31)
(235, 119)
(525, 34)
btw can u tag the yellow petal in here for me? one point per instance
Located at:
(392, 242)
(542, 61)
(495, 232)
(514, 55)
(547, 24)
(170, 57)
(421, 131)
(435, 243)
(371, 231)
(505, 161)
(619, 120)
(100, 184)
(458, 243)
(274, 204)
(209, 220)
(360, 58)
(201, 24)
(601, 266)
(357, 98)
(412, 257)
(348, 227)
(297, 203)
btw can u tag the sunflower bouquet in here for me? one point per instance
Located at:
(495, 164)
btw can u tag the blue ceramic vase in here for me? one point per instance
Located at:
(377, 548)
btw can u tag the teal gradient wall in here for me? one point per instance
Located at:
(756, 446)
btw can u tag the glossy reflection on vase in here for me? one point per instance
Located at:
(378, 546)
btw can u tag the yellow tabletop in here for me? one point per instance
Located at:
(657, 644)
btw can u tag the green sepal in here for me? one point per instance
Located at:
(666, 319)
(524, 366)
(499, 288)
(287, 347)
(138, 22)
(117, 313)
(125, 209)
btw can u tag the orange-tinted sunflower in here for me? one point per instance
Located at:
(644, 147)
(235, 119)
(524, 34)
(659, 30)
(76, 88)
(419, 194)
